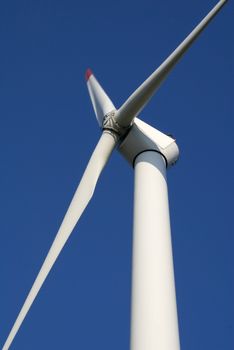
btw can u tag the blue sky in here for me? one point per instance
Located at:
(48, 131)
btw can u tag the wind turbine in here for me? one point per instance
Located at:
(154, 324)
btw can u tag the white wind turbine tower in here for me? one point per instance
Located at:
(154, 323)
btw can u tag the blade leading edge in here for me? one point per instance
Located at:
(78, 204)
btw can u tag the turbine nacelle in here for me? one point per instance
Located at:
(142, 138)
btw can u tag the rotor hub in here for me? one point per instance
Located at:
(111, 125)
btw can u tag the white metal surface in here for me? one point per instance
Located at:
(136, 102)
(100, 100)
(142, 136)
(78, 204)
(154, 323)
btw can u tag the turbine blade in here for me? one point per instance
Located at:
(101, 102)
(136, 102)
(79, 202)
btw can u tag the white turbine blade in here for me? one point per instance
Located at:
(79, 202)
(136, 102)
(101, 102)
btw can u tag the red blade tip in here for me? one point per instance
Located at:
(88, 73)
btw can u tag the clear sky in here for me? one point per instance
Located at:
(48, 131)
